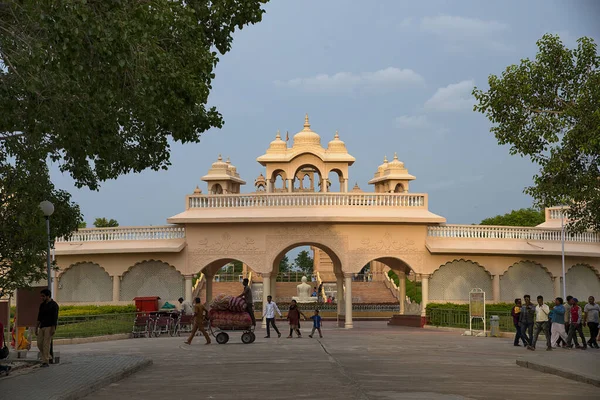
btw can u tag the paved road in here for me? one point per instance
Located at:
(372, 361)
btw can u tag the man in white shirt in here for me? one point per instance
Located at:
(542, 311)
(185, 307)
(269, 312)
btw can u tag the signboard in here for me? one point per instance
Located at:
(476, 307)
(28, 305)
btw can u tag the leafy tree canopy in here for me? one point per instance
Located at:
(105, 223)
(522, 217)
(548, 109)
(304, 262)
(284, 264)
(100, 88)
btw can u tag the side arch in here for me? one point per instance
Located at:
(582, 281)
(454, 280)
(526, 277)
(152, 278)
(84, 282)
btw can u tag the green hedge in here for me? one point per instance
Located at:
(66, 311)
(495, 307)
(413, 289)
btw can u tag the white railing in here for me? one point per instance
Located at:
(508, 232)
(125, 233)
(308, 200)
(557, 213)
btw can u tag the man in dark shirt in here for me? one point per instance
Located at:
(46, 325)
(247, 296)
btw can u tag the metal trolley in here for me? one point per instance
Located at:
(222, 337)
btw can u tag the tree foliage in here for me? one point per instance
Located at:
(105, 223)
(284, 264)
(548, 109)
(522, 217)
(304, 262)
(100, 88)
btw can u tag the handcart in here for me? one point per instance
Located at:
(219, 332)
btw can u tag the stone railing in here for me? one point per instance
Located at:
(401, 200)
(556, 213)
(508, 232)
(125, 233)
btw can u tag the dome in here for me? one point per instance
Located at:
(383, 166)
(336, 145)
(306, 137)
(395, 164)
(219, 164)
(278, 144)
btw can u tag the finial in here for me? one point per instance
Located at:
(385, 159)
(197, 190)
(395, 156)
(220, 158)
(228, 161)
(336, 136)
(306, 123)
(278, 136)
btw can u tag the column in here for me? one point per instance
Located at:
(496, 288)
(244, 270)
(55, 285)
(273, 286)
(188, 287)
(269, 186)
(340, 294)
(424, 294)
(266, 292)
(116, 295)
(557, 286)
(348, 300)
(346, 185)
(402, 291)
(290, 184)
(208, 289)
(324, 182)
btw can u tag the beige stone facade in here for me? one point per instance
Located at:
(390, 228)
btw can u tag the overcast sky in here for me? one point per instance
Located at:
(391, 76)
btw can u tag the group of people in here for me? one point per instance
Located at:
(200, 314)
(560, 325)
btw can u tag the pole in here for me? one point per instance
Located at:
(48, 255)
(562, 239)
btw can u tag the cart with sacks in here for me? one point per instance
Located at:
(228, 314)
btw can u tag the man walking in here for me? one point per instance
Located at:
(526, 319)
(269, 312)
(542, 312)
(247, 296)
(590, 317)
(47, 321)
(575, 326)
(200, 314)
(516, 312)
(558, 322)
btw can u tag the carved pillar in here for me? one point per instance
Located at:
(557, 287)
(266, 293)
(340, 294)
(290, 185)
(402, 291)
(208, 289)
(424, 294)
(273, 286)
(348, 300)
(188, 287)
(496, 288)
(345, 185)
(244, 270)
(269, 186)
(324, 182)
(116, 281)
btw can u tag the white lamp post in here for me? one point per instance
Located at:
(48, 209)
(562, 239)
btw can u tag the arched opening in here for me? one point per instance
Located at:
(225, 276)
(334, 181)
(526, 277)
(152, 278)
(261, 188)
(453, 281)
(301, 184)
(217, 189)
(278, 178)
(582, 281)
(399, 188)
(84, 282)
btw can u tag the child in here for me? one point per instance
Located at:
(316, 324)
(294, 317)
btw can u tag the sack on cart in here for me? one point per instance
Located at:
(229, 319)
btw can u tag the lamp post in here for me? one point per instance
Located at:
(48, 209)
(562, 239)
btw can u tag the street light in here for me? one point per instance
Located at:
(48, 209)
(562, 239)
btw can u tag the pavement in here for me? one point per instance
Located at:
(371, 361)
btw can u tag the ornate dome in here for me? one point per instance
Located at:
(336, 145)
(219, 164)
(306, 137)
(395, 164)
(383, 166)
(277, 145)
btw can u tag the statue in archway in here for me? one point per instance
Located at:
(304, 291)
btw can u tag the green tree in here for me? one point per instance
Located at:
(304, 262)
(82, 225)
(105, 223)
(549, 109)
(100, 88)
(284, 264)
(522, 217)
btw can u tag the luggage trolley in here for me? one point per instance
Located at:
(219, 332)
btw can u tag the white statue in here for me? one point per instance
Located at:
(304, 291)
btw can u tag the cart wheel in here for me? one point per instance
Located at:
(253, 337)
(247, 337)
(222, 338)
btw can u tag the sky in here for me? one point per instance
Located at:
(389, 75)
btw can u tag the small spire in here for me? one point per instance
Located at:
(228, 161)
(220, 158)
(278, 136)
(306, 123)
(395, 156)
(197, 190)
(336, 136)
(385, 159)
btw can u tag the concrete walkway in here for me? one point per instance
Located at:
(578, 365)
(372, 361)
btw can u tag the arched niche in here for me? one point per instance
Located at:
(152, 278)
(84, 282)
(582, 282)
(526, 277)
(454, 280)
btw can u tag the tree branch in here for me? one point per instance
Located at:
(3, 138)
(540, 111)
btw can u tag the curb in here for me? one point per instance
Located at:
(115, 377)
(558, 372)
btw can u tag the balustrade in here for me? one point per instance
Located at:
(124, 233)
(508, 232)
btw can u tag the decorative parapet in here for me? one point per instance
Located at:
(126, 233)
(556, 213)
(508, 232)
(400, 200)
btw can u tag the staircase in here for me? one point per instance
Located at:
(372, 293)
